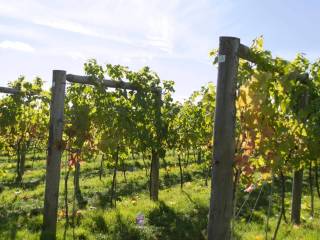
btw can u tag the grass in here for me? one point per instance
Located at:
(179, 214)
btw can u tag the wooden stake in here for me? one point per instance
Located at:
(220, 212)
(55, 149)
(155, 164)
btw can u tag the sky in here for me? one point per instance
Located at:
(173, 37)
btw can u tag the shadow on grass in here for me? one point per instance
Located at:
(168, 223)
(124, 189)
(9, 226)
(30, 185)
(179, 226)
(136, 186)
(120, 229)
(163, 223)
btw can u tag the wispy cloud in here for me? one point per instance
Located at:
(166, 35)
(130, 23)
(151, 25)
(16, 45)
(74, 27)
(76, 55)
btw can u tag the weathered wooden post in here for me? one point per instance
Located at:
(154, 175)
(155, 164)
(55, 149)
(220, 212)
(297, 182)
(296, 196)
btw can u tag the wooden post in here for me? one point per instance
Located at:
(154, 175)
(297, 183)
(220, 212)
(296, 196)
(55, 149)
(155, 164)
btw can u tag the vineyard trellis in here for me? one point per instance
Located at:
(234, 152)
(221, 199)
(55, 143)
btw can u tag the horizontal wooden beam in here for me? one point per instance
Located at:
(9, 90)
(246, 53)
(106, 83)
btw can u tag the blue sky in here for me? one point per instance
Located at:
(173, 37)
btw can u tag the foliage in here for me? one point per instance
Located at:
(24, 120)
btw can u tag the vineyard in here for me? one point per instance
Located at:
(112, 155)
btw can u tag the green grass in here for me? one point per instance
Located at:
(179, 214)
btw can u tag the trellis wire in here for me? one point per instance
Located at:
(255, 204)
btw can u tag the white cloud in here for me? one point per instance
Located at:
(157, 28)
(161, 34)
(16, 45)
(63, 25)
(123, 22)
(75, 55)
(26, 32)
(71, 26)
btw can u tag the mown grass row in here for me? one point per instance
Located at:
(179, 214)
